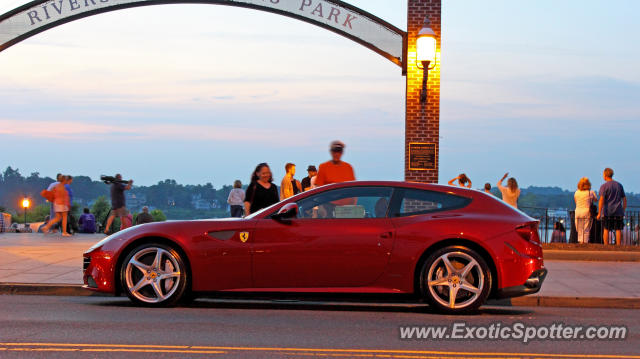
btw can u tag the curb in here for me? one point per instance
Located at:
(574, 302)
(70, 290)
(594, 256)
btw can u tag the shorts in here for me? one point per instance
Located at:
(57, 208)
(613, 223)
(119, 212)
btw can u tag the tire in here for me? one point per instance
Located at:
(445, 285)
(154, 275)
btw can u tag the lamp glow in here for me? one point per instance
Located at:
(426, 55)
(426, 49)
(426, 46)
(25, 204)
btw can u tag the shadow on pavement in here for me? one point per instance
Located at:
(292, 304)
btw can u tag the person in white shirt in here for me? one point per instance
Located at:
(584, 197)
(236, 200)
(313, 182)
(510, 193)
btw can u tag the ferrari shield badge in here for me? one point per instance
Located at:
(244, 236)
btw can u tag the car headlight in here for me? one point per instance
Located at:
(101, 243)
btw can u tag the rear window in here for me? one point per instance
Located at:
(414, 201)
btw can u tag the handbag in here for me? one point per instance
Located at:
(593, 209)
(48, 195)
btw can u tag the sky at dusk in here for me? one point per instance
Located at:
(547, 90)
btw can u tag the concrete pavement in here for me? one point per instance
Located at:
(36, 264)
(39, 258)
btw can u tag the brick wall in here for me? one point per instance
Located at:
(422, 121)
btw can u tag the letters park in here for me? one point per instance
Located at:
(60, 8)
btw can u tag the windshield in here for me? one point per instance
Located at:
(266, 209)
(255, 214)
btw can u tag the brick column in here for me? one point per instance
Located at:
(422, 123)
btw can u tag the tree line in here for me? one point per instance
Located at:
(173, 199)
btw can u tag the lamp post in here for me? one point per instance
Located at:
(426, 55)
(25, 204)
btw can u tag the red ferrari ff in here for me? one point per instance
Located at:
(450, 246)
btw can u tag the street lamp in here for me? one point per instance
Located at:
(426, 55)
(25, 204)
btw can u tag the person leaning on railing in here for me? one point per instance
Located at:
(612, 205)
(584, 198)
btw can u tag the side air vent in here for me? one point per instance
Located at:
(222, 235)
(85, 263)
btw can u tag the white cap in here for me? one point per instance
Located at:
(337, 145)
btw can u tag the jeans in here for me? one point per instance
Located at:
(237, 211)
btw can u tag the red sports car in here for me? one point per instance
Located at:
(450, 246)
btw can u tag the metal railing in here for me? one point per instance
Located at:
(593, 229)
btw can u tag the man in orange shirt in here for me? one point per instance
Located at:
(336, 170)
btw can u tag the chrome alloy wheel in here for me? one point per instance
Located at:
(455, 280)
(153, 275)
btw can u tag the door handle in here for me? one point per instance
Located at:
(386, 235)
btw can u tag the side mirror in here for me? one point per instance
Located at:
(288, 211)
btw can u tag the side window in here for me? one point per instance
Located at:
(354, 202)
(420, 202)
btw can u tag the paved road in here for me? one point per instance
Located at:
(98, 327)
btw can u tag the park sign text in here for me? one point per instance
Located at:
(334, 15)
(307, 8)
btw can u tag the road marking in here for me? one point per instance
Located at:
(100, 345)
(185, 351)
(363, 353)
(391, 356)
(113, 350)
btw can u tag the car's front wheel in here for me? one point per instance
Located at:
(455, 279)
(154, 274)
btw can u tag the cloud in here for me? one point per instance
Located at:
(271, 133)
(592, 99)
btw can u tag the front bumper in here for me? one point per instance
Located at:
(532, 285)
(98, 274)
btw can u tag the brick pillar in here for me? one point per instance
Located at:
(422, 123)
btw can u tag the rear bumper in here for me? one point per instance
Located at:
(532, 285)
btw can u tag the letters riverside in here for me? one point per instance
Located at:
(311, 8)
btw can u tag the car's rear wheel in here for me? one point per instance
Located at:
(455, 279)
(154, 274)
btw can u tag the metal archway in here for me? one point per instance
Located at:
(349, 21)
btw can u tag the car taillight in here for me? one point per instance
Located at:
(529, 231)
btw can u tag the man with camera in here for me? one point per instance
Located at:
(118, 205)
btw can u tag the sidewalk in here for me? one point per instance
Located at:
(54, 263)
(39, 258)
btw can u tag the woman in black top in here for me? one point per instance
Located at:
(261, 193)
